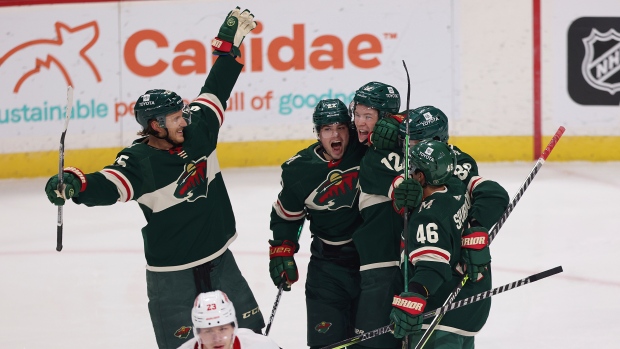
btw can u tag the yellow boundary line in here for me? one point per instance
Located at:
(274, 153)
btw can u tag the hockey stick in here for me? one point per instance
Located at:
(61, 165)
(280, 288)
(406, 167)
(496, 227)
(406, 175)
(446, 308)
(275, 306)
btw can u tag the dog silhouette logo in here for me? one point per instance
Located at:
(67, 53)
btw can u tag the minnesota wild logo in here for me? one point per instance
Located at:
(338, 190)
(183, 332)
(323, 326)
(192, 183)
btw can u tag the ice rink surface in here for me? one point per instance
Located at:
(93, 293)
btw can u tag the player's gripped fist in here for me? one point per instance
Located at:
(74, 182)
(407, 194)
(236, 26)
(407, 309)
(282, 265)
(475, 253)
(385, 133)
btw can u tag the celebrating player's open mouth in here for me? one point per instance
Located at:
(334, 139)
(336, 149)
(362, 135)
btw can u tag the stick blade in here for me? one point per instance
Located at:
(546, 273)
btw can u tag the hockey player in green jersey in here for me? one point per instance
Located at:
(378, 238)
(174, 175)
(321, 183)
(436, 242)
(488, 199)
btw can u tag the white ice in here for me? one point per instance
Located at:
(93, 293)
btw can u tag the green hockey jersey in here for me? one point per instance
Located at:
(326, 191)
(180, 191)
(434, 250)
(378, 238)
(488, 199)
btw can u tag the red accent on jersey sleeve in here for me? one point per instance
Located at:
(123, 182)
(219, 112)
(423, 252)
(285, 212)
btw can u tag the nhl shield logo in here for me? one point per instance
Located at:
(601, 62)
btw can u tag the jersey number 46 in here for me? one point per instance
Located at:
(427, 232)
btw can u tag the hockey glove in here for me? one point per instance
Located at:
(385, 133)
(282, 264)
(236, 26)
(407, 194)
(74, 182)
(407, 312)
(475, 254)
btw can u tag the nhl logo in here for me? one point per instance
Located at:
(601, 62)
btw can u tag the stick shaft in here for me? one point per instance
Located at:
(280, 288)
(275, 306)
(61, 165)
(405, 176)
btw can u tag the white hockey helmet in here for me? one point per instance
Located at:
(213, 309)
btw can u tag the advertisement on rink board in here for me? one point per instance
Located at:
(113, 52)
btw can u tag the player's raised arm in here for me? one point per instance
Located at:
(224, 73)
